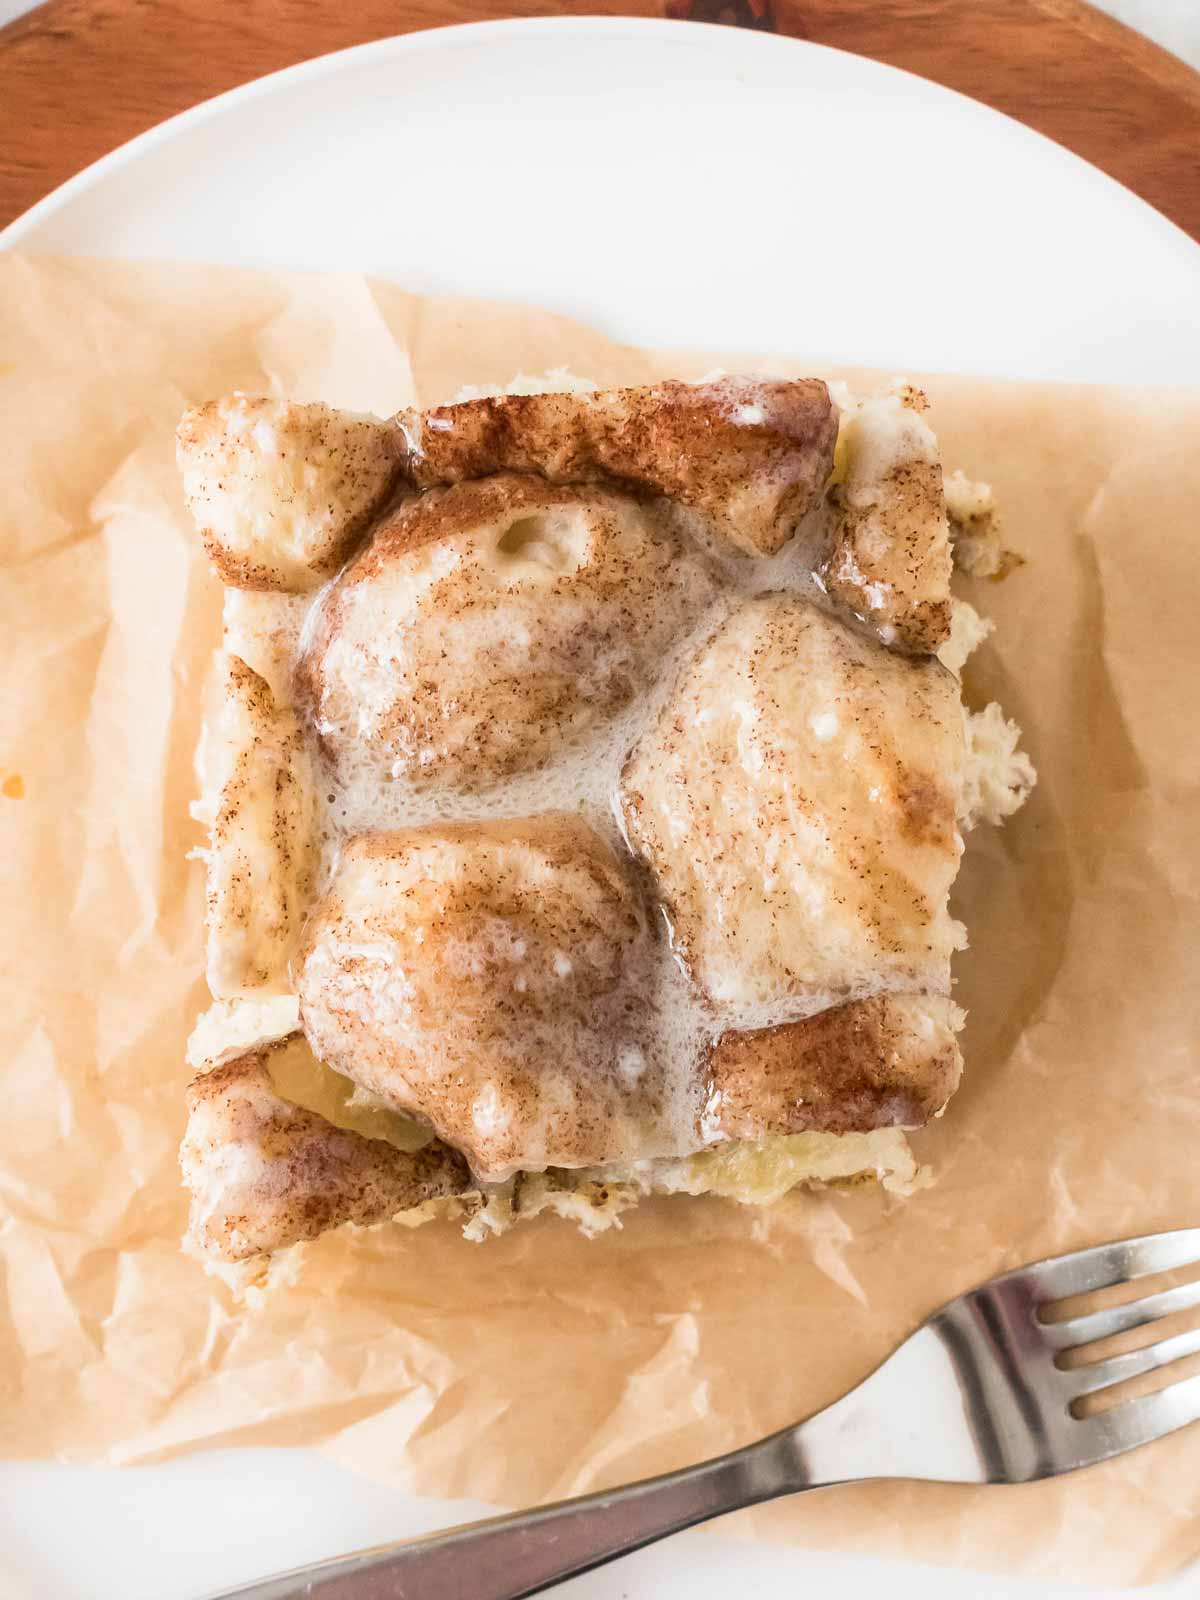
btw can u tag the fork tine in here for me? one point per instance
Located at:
(1119, 1319)
(1136, 1422)
(1106, 1264)
(1103, 1374)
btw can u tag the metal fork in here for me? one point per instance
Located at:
(976, 1395)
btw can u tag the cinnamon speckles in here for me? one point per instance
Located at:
(889, 1061)
(436, 973)
(888, 556)
(490, 625)
(586, 782)
(927, 808)
(281, 492)
(796, 805)
(264, 1173)
(262, 844)
(746, 457)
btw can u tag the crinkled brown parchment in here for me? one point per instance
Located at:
(418, 1356)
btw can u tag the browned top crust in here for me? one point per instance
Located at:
(747, 456)
(542, 610)
(264, 1173)
(890, 1061)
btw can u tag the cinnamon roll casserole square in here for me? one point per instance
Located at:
(584, 794)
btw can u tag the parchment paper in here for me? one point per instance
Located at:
(543, 1364)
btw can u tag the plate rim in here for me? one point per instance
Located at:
(455, 35)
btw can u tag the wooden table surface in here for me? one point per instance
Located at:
(78, 77)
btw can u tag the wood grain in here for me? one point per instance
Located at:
(80, 77)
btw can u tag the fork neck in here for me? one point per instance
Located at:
(909, 1419)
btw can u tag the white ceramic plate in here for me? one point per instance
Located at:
(673, 185)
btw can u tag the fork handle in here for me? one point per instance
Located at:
(522, 1554)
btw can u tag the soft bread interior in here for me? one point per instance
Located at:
(275, 1138)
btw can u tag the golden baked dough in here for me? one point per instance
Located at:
(465, 650)
(487, 626)
(280, 492)
(264, 1174)
(498, 981)
(888, 1062)
(261, 851)
(748, 458)
(796, 803)
(888, 554)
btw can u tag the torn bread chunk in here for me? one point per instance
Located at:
(796, 804)
(747, 457)
(488, 626)
(498, 981)
(888, 1062)
(968, 630)
(975, 529)
(264, 1174)
(261, 852)
(997, 774)
(887, 558)
(280, 492)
